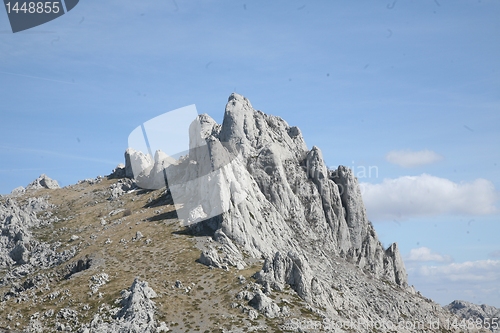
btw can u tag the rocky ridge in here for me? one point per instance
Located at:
(293, 202)
(306, 221)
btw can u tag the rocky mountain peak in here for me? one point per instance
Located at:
(292, 210)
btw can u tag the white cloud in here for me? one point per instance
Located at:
(426, 195)
(409, 159)
(423, 254)
(469, 271)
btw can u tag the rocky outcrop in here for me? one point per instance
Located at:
(211, 257)
(255, 301)
(15, 238)
(137, 314)
(17, 191)
(265, 305)
(43, 182)
(121, 187)
(138, 161)
(277, 200)
(18, 249)
(138, 306)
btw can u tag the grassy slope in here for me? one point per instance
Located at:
(171, 255)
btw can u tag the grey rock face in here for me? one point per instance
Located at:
(265, 305)
(15, 237)
(258, 300)
(129, 173)
(43, 182)
(291, 269)
(137, 304)
(229, 254)
(210, 257)
(138, 160)
(352, 202)
(293, 201)
(20, 253)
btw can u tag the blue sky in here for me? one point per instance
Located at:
(409, 88)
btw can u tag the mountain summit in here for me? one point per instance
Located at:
(292, 202)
